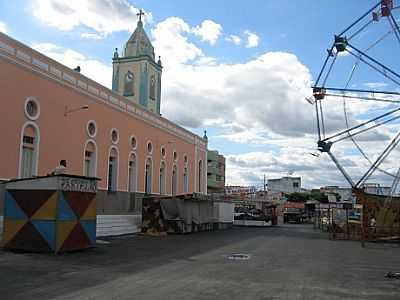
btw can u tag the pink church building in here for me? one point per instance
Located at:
(51, 112)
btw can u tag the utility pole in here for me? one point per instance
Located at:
(265, 192)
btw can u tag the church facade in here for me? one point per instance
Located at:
(51, 112)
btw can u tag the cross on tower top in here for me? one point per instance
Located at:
(140, 14)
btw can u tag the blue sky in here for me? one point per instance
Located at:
(242, 76)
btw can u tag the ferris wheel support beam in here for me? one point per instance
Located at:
(350, 135)
(318, 125)
(374, 60)
(329, 55)
(360, 18)
(379, 160)
(341, 169)
(346, 131)
(355, 90)
(374, 67)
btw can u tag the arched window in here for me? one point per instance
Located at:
(112, 170)
(90, 159)
(148, 176)
(162, 178)
(129, 84)
(185, 180)
(200, 176)
(152, 87)
(132, 173)
(174, 180)
(29, 150)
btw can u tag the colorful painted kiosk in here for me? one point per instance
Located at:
(50, 213)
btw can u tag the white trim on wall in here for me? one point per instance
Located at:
(84, 156)
(111, 131)
(174, 165)
(130, 142)
(133, 153)
(147, 147)
(33, 99)
(152, 173)
(36, 150)
(87, 128)
(107, 165)
(165, 177)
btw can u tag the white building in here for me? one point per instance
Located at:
(235, 190)
(345, 194)
(377, 189)
(286, 185)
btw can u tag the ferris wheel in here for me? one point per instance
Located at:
(369, 48)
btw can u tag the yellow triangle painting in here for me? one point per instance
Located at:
(48, 210)
(90, 213)
(64, 228)
(11, 228)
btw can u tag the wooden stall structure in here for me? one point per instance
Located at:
(380, 218)
(54, 213)
(184, 214)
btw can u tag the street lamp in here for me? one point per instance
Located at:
(71, 110)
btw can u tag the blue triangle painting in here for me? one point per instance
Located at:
(48, 231)
(90, 229)
(12, 210)
(64, 211)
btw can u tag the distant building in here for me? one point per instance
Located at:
(215, 172)
(285, 185)
(377, 189)
(336, 193)
(275, 196)
(241, 191)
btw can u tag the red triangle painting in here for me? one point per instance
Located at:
(76, 240)
(31, 200)
(78, 201)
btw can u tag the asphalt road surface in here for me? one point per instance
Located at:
(287, 262)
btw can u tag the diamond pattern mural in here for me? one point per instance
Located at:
(49, 220)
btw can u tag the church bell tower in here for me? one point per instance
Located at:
(136, 74)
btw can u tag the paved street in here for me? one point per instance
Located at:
(290, 262)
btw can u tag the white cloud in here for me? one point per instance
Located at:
(92, 36)
(252, 39)
(171, 42)
(261, 94)
(259, 102)
(234, 39)
(3, 27)
(102, 16)
(91, 68)
(376, 85)
(209, 31)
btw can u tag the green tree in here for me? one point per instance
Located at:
(297, 197)
(318, 196)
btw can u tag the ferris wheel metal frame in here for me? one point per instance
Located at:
(343, 43)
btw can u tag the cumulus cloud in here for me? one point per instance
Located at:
(315, 171)
(234, 39)
(252, 39)
(209, 31)
(3, 27)
(376, 85)
(171, 41)
(102, 16)
(258, 102)
(91, 68)
(92, 36)
(260, 94)
(294, 156)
